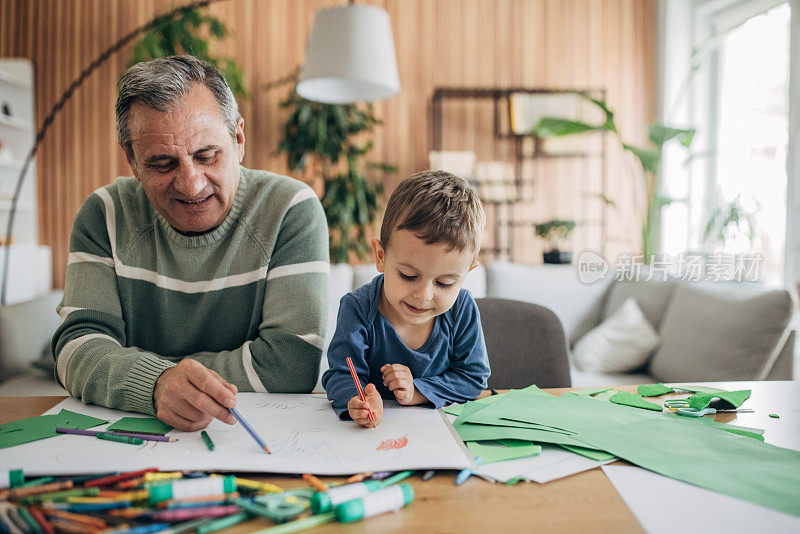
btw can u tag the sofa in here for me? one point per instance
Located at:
(707, 331)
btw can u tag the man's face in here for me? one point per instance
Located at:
(186, 160)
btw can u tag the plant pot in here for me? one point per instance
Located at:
(557, 257)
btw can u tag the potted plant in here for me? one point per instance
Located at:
(554, 232)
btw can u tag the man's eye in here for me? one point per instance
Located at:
(407, 277)
(162, 167)
(205, 158)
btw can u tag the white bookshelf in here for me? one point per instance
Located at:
(30, 267)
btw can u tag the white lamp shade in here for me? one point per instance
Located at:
(350, 57)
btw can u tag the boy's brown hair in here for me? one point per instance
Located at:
(438, 207)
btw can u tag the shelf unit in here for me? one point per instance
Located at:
(518, 149)
(30, 266)
(17, 136)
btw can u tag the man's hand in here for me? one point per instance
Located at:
(189, 395)
(358, 409)
(399, 380)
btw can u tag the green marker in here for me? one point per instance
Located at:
(122, 439)
(207, 440)
(325, 501)
(775, 416)
(11, 479)
(378, 502)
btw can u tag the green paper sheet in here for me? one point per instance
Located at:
(653, 390)
(728, 399)
(493, 451)
(699, 389)
(588, 392)
(487, 432)
(634, 400)
(592, 454)
(682, 448)
(605, 396)
(43, 426)
(142, 425)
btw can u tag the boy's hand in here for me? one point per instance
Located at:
(398, 379)
(358, 409)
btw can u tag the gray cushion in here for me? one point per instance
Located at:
(25, 332)
(652, 297)
(719, 333)
(557, 287)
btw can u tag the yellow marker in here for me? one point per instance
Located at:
(255, 485)
(156, 477)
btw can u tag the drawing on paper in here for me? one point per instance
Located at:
(389, 444)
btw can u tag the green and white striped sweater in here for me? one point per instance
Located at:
(248, 299)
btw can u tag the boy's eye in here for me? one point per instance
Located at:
(407, 277)
(443, 285)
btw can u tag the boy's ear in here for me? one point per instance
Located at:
(377, 248)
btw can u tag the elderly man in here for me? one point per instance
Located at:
(198, 278)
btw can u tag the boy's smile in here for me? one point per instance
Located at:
(420, 281)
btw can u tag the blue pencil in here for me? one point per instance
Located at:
(250, 430)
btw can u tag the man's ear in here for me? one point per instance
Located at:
(380, 254)
(240, 138)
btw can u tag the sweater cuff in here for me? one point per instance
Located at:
(141, 382)
(424, 387)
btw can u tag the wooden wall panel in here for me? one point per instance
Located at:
(536, 43)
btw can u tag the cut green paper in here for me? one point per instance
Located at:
(653, 390)
(141, 425)
(592, 454)
(635, 401)
(728, 399)
(606, 395)
(588, 392)
(493, 451)
(699, 389)
(43, 426)
(680, 448)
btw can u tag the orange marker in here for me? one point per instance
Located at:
(360, 391)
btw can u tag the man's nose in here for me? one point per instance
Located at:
(189, 181)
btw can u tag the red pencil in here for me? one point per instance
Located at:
(358, 387)
(117, 478)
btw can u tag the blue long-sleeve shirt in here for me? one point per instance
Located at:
(451, 366)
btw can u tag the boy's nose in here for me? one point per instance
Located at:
(424, 292)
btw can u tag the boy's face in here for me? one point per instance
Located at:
(420, 281)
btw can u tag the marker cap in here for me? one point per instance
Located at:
(15, 478)
(324, 501)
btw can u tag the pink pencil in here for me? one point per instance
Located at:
(360, 391)
(146, 437)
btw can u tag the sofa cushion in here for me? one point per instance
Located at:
(557, 287)
(621, 343)
(25, 332)
(720, 333)
(652, 296)
(585, 379)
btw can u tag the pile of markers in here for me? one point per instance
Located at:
(171, 502)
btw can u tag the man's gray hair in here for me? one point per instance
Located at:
(162, 82)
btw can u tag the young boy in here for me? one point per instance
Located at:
(412, 333)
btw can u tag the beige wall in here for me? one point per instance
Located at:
(606, 44)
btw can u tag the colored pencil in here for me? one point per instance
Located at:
(316, 483)
(16, 493)
(360, 391)
(42, 520)
(119, 439)
(250, 430)
(117, 478)
(359, 477)
(207, 440)
(146, 437)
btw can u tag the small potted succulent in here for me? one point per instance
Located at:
(555, 231)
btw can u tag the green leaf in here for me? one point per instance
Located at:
(647, 157)
(660, 134)
(553, 127)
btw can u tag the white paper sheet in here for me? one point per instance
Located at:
(662, 504)
(551, 464)
(303, 432)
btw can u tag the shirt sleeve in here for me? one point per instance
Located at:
(285, 356)
(469, 372)
(349, 339)
(92, 360)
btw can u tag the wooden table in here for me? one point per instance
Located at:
(583, 502)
